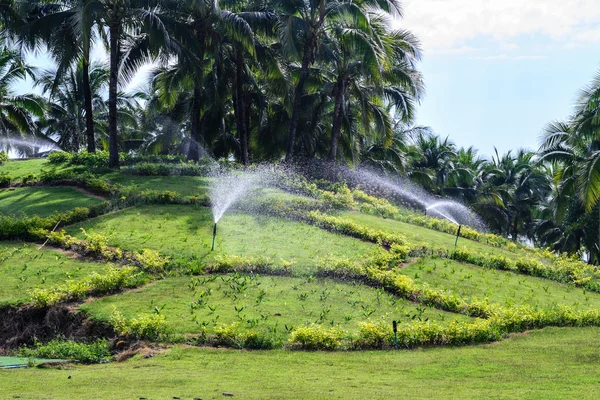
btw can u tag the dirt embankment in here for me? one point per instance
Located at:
(20, 326)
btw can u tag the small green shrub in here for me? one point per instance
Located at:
(3, 157)
(145, 326)
(315, 337)
(88, 353)
(59, 157)
(5, 180)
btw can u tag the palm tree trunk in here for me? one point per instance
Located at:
(194, 152)
(87, 99)
(515, 229)
(113, 148)
(195, 120)
(240, 110)
(298, 93)
(338, 94)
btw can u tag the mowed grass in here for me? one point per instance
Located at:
(420, 236)
(504, 287)
(184, 185)
(43, 201)
(23, 267)
(185, 232)
(553, 363)
(266, 304)
(19, 168)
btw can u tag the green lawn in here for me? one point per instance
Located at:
(503, 287)
(23, 267)
(553, 363)
(420, 236)
(184, 185)
(186, 232)
(270, 305)
(43, 201)
(18, 168)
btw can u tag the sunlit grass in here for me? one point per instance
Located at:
(270, 305)
(185, 232)
(43, 201)
(504, 287)
(23, 267)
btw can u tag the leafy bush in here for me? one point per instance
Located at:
(5, 180)
(144, 326)
(3, 157)
(29, 179)
(258, 265)
(112, 280)
(350, 228)
(88, 353)
(316, 337)
(59, 157)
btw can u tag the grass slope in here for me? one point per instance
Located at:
(184, 185)
(23, 267)
(186, 232)
(503, 287)
(553, 363)
(267, 304)
(19, 168)
(43, 201)
(421, 236)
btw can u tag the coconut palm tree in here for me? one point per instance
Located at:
(67, 116)
(304, 26)
(17, 112)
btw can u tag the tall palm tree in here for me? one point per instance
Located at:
(303, 26)
(69, 29)
(17, 112)
(67, 116)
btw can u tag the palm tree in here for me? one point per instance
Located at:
(303, 26)
(17, 112)
(68, 117)
(67, 29)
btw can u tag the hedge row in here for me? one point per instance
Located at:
(493, 320)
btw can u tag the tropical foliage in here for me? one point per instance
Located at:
(265, 80)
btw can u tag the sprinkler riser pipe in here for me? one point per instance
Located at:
(457, 235)
(214, 235)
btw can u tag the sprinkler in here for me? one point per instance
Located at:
(457, 234)
(395, 328)
(214, 235)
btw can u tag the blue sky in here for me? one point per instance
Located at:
(497, 72)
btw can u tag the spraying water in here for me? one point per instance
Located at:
(408, 193)
(27, 145)
(231, 187)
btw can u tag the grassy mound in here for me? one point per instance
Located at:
(421, 236)
(19, 168)
(504, 287)
(23, 268)
(43, 201)
(185, 232)
(268, 305)
(184, 185)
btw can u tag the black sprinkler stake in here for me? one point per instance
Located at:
(395, 326)
(457, 234)
(214, 234)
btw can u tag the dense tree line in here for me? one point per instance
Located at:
(276, 80)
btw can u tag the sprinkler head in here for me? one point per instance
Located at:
(214, 235)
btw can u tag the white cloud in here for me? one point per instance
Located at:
(448, 24)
